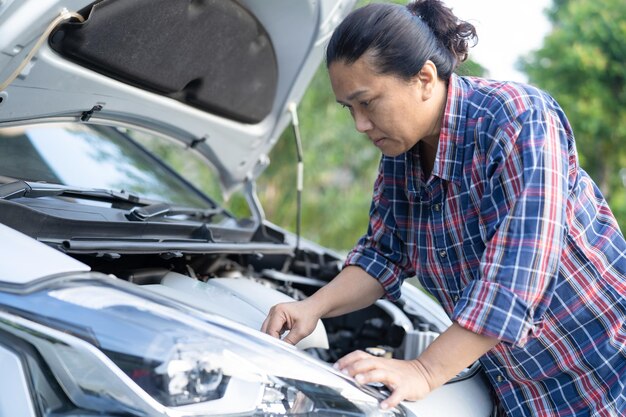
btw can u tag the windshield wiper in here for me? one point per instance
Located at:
(143, 209)
(163, 209)
(29, 189)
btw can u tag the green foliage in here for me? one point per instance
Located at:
(472, 68)
(581, 63)
(340, 168)
(192, 167)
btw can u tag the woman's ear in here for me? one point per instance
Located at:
(427, 79)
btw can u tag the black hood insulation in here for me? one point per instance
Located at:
(211, 54)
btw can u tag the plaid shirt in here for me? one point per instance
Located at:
(516, 242)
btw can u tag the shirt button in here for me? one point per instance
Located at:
(443, 253)
(500, 378)
(437, 207)
(456, 298)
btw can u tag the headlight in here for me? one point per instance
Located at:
(189, 376)
(130, 353)
(194, 373)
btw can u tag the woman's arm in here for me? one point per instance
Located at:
(454, 350)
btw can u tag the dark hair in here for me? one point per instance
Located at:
(400, 39)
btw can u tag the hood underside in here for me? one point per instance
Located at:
(213, 55)
(218, 75)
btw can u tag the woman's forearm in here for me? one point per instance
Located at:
(352, 289)
(454, 350)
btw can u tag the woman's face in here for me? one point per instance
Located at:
(394, 113)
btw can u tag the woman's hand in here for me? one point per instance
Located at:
(450, 353)
(407, 380)
(299, 318)
(351, 290)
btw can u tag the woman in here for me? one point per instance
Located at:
(480, 195)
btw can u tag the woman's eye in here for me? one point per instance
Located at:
(365, 103)
(345, 106)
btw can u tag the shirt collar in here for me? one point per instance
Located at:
(449, 159)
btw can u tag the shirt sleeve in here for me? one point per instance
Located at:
(523, 214)
(381, 252)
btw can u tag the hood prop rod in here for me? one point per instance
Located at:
(293, 109)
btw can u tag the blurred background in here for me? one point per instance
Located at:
(574, 49)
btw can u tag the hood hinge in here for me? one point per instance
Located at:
(196, 142)
(86, 115)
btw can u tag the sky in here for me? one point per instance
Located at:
(507, 29)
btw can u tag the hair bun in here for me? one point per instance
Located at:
(453, 33)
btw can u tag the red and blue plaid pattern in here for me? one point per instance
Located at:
(516, 242)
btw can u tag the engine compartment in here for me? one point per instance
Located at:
(243, 290)
(221, 267)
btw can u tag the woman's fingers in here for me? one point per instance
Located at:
(295, 335)
(276, 322)
(360, 363)
(347, 362)
(396, 397)
(294, 317)
(401, 377)
(383, 376)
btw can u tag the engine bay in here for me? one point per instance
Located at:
(239, 273)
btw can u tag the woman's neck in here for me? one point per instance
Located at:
(428, 154)
(428, 145)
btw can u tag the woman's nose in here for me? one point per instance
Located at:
(362, 123)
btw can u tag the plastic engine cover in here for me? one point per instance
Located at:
(238, 299)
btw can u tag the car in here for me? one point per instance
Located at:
(125, 289)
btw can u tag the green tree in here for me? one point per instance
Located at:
(581, 63)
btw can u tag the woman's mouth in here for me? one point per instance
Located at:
(378, 142)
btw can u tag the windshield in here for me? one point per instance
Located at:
(91, 157)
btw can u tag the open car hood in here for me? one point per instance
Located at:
(218, 75)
